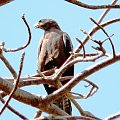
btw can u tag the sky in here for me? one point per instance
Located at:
(70, 18)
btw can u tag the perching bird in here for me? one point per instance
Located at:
(53, 50)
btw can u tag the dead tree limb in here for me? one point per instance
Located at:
(3, 2)
(28, 41)
(14, 111)
(15, 86)
(67, 87)
(93, 7)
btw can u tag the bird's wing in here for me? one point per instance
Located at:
(67, 43)
(39, 62)
(68, 48)
(40, 45)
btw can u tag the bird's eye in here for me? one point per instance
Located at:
(40, 21)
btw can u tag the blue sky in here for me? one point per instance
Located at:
(71, 18)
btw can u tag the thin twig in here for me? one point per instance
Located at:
(15, 86)
(93, 7)
(92, 91)
(94, 28)
(28, 41)
(14, 111)
(71, 97)
(76, 60)
(84, 53)
(81, 55)
(106, 11)
(113, 117)
(106, 35)
(46, 73)
(92, 31)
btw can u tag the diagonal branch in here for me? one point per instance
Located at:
(20, 95)
(94, 28)
(3, 2)
(37, 101)
(15, 86)
(76, 60)
(114, 117)
(93, 7)
(92, 31)
(14, 111)
(106, 11)
(68, 86)
(84, 52)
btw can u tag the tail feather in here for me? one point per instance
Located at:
(64, 103)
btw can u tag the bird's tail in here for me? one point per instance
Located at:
(64, 103)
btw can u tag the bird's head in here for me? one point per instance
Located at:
(47, 24)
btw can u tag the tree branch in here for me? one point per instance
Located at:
(15, 86)
(28, 42)
(20, 95)
(68, 86)
(114, 117)
(106, 35)
(93, 7)
(92, 31)
(14, 111)
(3, 2)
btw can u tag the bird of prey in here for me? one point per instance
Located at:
(53, 50)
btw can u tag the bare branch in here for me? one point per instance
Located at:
(68, 86)
(93, 7)
(70, 117)
(106, 35)
(92, 31)
(76, 60)
(28, 42)
(15, 86)
(81, 111)
(14, 111)
(93, 89)
(41, 80)
(46, 73)
(87, 54)
(89, 94)
(114, 117)
(106, 11)
(84, 53)
(20, 95)
(95, 29)
(3, 2)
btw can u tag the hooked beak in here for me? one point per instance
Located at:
(38, 25)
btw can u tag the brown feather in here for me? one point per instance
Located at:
(53, 51)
